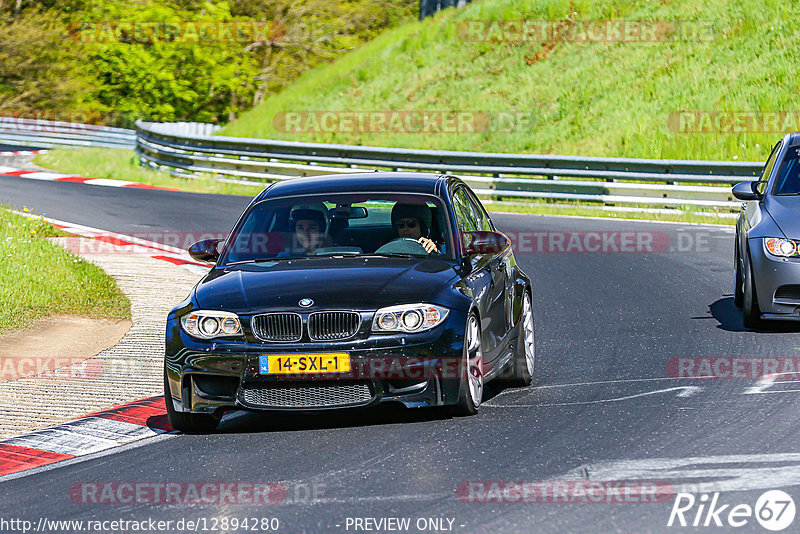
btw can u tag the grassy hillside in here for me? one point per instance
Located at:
(593, 98)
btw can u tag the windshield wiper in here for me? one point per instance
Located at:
(255, 260)
(329, 256)
(392, 255)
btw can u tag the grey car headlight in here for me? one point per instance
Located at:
(408, 318)
(210, 324)
(784, 248)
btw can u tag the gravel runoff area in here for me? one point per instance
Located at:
(21, 162)
(128, 371)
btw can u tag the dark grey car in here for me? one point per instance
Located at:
(767, 249)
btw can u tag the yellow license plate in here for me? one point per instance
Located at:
(285, 364)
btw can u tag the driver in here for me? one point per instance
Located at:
(309, 230)
(413, 221)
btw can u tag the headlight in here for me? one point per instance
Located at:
(208, 324)
(408, 318)
(784, 248)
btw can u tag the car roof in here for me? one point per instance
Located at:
(391, 182)
(793, 138)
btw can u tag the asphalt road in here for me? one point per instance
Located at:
(4, 147)
(603, 407)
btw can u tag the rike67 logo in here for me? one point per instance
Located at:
(774, 510)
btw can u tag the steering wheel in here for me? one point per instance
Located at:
(403, 245)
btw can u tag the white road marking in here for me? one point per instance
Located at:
(45, 175)
(768, 381)
(599, 382)
(621, 381)
(108, 182)
(424, 497)
(685, 391)
(762, 475)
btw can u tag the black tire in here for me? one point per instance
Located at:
(738, 290)
(520, 374)
(190, 423)
(751, 313)
(466, 405)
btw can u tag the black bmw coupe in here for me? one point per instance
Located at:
(350, 291)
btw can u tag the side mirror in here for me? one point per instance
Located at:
(205, 250)
(746, 191)
(484, 242)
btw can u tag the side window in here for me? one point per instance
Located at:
(768, 167)
(787, 180)
(484, 223)
(465, 217)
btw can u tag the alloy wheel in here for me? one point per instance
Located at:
(474, 361)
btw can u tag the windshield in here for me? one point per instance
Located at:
(788, 180)
(354, 224)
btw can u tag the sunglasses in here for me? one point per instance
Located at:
(406, 223)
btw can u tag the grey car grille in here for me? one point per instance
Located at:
(308, 395)
(327, 326)
(283, 327)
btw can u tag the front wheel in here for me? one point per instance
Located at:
(470, 391)
(751, 312)
(190, 423)
(738, 282)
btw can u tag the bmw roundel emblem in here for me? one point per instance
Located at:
(305, 303)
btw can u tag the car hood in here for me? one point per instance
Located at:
(353, 283)
(785, 211)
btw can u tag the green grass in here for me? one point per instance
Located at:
(124, 165)
(686, 215)
(40, 279)
(583, 98)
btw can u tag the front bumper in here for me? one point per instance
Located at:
(771, 273)
(416, 370)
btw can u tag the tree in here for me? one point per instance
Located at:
(310, 32)
(37, 72)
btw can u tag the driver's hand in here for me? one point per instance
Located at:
(429, 245)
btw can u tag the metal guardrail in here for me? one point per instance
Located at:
(185, 128)
(50, 134)
(501, 177)
(188, 148)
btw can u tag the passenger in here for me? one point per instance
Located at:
(309, 226)
(413, 221)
